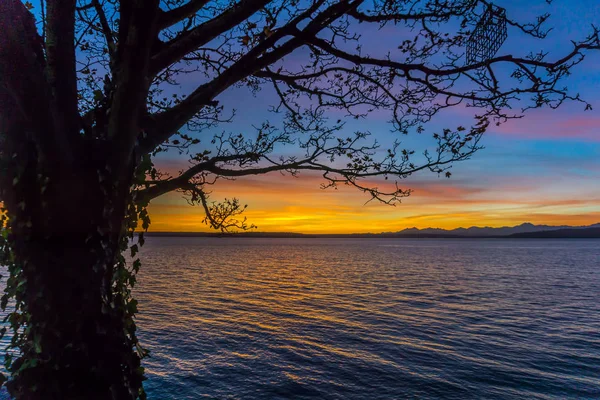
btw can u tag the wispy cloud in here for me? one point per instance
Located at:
(278, 203)
(554, 124)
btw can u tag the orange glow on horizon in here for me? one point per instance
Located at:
(286, 204)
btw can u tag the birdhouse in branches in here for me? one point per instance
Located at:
(487, 37)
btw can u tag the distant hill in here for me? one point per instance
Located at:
(581, 233)
(476, 231)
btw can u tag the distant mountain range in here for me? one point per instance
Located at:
(525, 230)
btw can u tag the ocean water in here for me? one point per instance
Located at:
(370, 318)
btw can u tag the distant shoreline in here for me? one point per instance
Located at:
(587, 233)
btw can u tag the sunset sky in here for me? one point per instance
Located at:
(543, 169)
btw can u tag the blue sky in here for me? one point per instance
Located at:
(544, 168)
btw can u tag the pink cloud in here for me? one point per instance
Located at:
(551, 124)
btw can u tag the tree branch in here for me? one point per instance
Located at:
(108, 35)
(169, 185)
(176, 49)
(61, 63)
(138, 21)
(169, 18)
(443, 11)
(163, 125)
(23, 83)
(447, 71)
(237, 157)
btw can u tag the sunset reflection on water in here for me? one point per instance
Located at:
(381, 319)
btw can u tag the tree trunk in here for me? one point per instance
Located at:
(65, 236)
(66, 207)
(75, 347)
(66, 229)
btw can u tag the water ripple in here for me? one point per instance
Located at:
(371, 319)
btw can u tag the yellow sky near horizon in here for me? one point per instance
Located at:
(286, 204)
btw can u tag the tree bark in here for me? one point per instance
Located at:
(75, 347)
(67, 207)
(66, 226)
(65, 233)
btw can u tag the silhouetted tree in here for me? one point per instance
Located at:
(86, 101)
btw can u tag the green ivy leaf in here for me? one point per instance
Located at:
(134, 249)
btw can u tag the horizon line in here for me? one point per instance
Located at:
(442, 232)
(213, 232)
